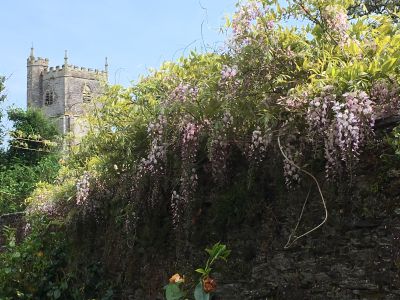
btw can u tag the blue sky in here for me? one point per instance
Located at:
(134, 35)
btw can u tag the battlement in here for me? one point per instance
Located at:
(66, 69)
(38, 61)
(75, 71)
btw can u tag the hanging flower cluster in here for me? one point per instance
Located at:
(184, 92)
(189, 178)
(219, 146)
(48, 208)
(83, 189)
(293, 153)
(248, 15)
(258, 146)
(229, 79)
(190, 145)
(336, 20)
(386, 97)
(354, 120)
(228, 72)
(176, 209)
(154, 163)
(344, 126)
(319, 114)
(293, 102)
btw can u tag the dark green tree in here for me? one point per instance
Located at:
(368, 7)
(32, 157)
(32, 137)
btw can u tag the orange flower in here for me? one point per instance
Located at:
(176, 279)
(209, 285)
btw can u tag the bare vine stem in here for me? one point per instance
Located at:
(31, 149)
(12, 214)
(289, 242)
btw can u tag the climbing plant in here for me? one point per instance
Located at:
(298, 87)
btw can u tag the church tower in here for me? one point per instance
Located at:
(36, 69)
(63, 93)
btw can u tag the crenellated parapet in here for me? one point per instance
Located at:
(66, 69)
(38, 61)
(74, 71)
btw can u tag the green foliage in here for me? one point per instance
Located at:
(30, 270)
(37, 267)
(31, 158)
(274, 66)
(367, 7)
(217, 252)
(206, 285)
(199, 293)
(19, 180)
(173, 292)
(33, 135)
(394, 140)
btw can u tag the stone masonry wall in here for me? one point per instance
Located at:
(355, 255)
(348, 261)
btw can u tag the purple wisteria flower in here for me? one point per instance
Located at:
(83, 188)
(228, 72)
(184, 92)
(343, 126)
(154, 162)
(336, 20)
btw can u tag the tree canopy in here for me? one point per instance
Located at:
(367, 7)
(33, 135)
(32, 157)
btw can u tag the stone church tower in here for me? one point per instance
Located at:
(63, 93)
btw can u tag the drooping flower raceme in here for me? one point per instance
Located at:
(258, 146)
(176, 208)
(386, 97)
(229, 78)
(294, 154)
(83, 189)
(190, 134)
(228, 72)
(354, 120)
(154, 163)
(244, 18)
(336, 20)
(219, 146)
(190, 145)
(319, 114)
(293, 102)
(343, 125)
(184, 92)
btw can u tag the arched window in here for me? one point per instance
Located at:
(49, 98)
(86, 93)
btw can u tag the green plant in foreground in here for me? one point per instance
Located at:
(394, 140)
(206, 285)
(32, 269)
